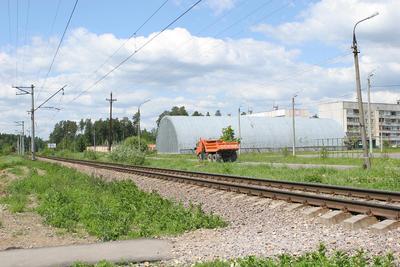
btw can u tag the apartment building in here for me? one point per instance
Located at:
(385, 119)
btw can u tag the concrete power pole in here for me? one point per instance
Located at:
(293, 127)
(240, 132)
(367, 160)
(23, 91)
(110, 134)
(21, 147)
(369, 114)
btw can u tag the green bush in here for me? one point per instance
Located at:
(6, 149)
(89, 154)
(109, 210)
(127, 154)
(318, 258)
(285, 152)
(324, 153)
(133, 143)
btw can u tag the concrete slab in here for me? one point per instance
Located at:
(293, 206)
(239, 197)
(315, 211)
(359, 221)
(385, 225)
(129, 251)
(277, 203)
(252, 199)
(334, 217)
(263, 202)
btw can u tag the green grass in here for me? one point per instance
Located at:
(318, 258)
(384, 175)
(72, 200)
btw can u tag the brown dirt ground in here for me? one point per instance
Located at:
(27, 230)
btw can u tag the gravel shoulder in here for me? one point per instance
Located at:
(253, 229)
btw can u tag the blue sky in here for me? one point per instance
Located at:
(222, 54)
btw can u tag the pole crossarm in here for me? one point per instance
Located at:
(50, 97)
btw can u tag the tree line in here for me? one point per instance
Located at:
(77, 136)
(8, 143)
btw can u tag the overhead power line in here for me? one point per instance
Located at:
(136, 51)
(58, 47)
(125, 42)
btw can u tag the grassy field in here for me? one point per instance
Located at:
(280, 158)
(318, 258)
(384, 175)
(71, 200)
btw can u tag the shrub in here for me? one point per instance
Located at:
(285, 152)
(127, 154)
(133, 143)
(324, 153)
(89, 154)
(228, 135)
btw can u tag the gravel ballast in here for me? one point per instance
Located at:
(254, 229)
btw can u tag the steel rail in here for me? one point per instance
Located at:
(369, 194)
(355, 206)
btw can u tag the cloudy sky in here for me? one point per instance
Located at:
(221, 55)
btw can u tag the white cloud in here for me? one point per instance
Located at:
(332, 21)
(203, 74)
(220, 5)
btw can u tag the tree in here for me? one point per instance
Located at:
(218, 113)
(243, 113)
(208, 114)
(228, 135)
(196, 113)
(175, 111)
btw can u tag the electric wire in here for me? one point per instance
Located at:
(136, 51)
(125, 42)
(16, 45)
(255, 10)
(26, 35)
(50, 33)
(9, 20)
(59, 45)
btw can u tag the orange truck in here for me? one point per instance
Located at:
(216, 150)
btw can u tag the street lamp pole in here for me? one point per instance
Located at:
(293, 127)
(139, 120)
(369, 114)
(367, 162)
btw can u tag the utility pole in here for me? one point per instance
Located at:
(369, 114)
(94, 137)
(111, 100)
(293, 127)
(367, 161)
(21, 147)
(139, 120)
(23, 90)
(240, 133)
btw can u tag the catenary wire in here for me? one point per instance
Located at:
(136, 51)
(25, 35)
(58, 47)
(50, 33)
(125, 42)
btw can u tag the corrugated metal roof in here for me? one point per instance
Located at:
(179, 133)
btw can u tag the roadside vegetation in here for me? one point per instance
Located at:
(318, 258)
(113, 210)
(384, 175)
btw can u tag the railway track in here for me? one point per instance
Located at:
(378, 203)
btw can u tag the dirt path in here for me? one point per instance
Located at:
(27, 229)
